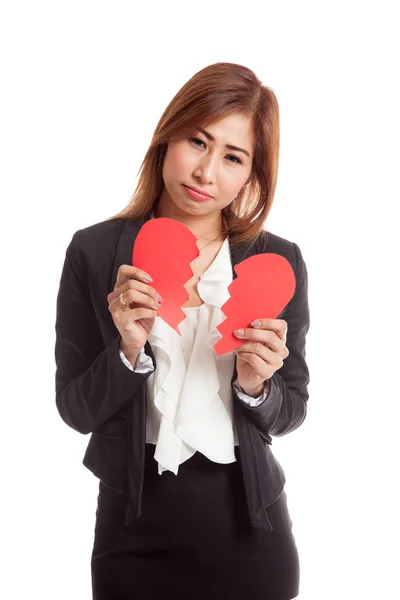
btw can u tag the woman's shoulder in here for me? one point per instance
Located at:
(106, 233)
(97, 239)
(271, 242)
(101, 230)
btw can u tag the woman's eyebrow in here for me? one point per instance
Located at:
(212, 139)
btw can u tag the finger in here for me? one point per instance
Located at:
(135, 313)
(279, 326)
(115, 307)
(273, 361)
(269, 356)
(143, 313)
(258, 349)
(265, 336)
(133, 296)
(127, 271)
(132, 284)
(261, 368)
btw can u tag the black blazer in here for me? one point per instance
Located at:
(96, 393)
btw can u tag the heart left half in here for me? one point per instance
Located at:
(164, 248)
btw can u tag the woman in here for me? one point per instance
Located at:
(191, 499)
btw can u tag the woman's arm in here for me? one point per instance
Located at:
(91, 381)
(285, 407)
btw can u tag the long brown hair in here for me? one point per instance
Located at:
(213, 93)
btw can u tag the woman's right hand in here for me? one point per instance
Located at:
(134, 322)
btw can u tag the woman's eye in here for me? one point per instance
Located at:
(193, 139)
(236, 159)
(230, 156)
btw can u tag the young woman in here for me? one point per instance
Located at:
(191, 499)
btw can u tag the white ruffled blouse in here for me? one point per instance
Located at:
(189, 395)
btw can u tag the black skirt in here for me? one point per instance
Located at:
(193, 540)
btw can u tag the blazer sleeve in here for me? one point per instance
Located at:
(91, 381)
(285, 406)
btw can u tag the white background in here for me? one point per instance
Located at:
(83, 87)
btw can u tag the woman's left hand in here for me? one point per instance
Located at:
(261, 355)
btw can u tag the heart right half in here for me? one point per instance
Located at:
(264, 285)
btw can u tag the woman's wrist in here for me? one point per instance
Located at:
(130, 353)
(255, 392)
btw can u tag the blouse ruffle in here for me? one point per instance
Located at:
(194, 403)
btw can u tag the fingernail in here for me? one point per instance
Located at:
(239, 332)
(158, 298)
(147, 277)
(256, 323)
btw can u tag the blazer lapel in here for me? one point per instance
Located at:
(123, 255)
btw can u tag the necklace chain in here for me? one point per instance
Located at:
(215, 238)
(209, 243)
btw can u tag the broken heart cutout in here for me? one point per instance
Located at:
(264, 285)
(164, 248)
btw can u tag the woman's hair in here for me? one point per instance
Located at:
(213, 93)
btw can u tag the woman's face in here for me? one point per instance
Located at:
(208, 165)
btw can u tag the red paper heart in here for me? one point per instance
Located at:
(264, 285)
(164, 248)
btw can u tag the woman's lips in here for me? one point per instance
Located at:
(196, 195)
